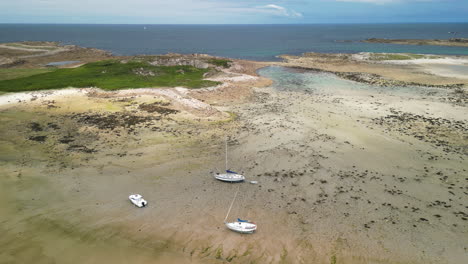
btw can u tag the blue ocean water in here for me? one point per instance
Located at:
(258, 42)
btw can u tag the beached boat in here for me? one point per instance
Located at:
(138, 200)
(229, 176)
(240, 226)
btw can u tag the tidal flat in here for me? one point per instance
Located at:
(347, 172)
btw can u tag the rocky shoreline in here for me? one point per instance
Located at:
(378, 80)
(460, 42)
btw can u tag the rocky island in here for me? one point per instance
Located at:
(460, 42)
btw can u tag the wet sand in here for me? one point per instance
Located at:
(347, 174)
(419, 71)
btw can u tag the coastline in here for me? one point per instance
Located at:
(458, 42)
(326, 189)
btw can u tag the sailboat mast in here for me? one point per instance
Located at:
(230, 207)
(226, 153)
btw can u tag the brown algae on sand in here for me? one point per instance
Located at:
(45, 182)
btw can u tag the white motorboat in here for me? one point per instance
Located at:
(229, 176)
(138, 200)
(240, 226)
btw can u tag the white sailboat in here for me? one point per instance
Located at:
(240, 226)
(138, 200)
(229, 176)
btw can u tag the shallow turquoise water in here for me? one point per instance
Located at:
(298, 80)
(60, 63)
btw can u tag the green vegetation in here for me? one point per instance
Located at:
(230, 258)
(219, 253)
(14, 45)
(284, 255)
(26, 46)
(205, 250)
(333, 259)
(247, 252)
(8, 52)
(220, 62)
(111, 75)
(399, 56)
(6, 74)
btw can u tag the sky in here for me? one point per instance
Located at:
(232, 11)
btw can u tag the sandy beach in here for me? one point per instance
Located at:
(347, 172)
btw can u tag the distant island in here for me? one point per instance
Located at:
(460, 42)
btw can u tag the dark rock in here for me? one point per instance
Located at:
(38, 138)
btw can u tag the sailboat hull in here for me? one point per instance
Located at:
(242, 227)
(229, 177)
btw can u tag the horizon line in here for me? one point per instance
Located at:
(233, 24)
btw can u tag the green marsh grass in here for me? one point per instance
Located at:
(399, 56)
(111, 75)
(6, 74)
(220, 62)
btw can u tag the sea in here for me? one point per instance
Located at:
(255, 42)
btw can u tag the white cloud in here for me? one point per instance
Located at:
(369, 1)
(146, 11)
(280, 11)
(276, 7)
(382, 1)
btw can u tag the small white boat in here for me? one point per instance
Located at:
(138, 200)
(240, 226)
(229, 176)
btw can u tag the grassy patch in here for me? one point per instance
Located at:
(7, 52)
(14, 45)
(220, 62)
(25, 46)
(283, 255)
(6, 74)
(219, 253)
(248, 251)
(399, 56)
(230, 258)
(111, 75)
(232, 117)
(204, 250)
(333, 259)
